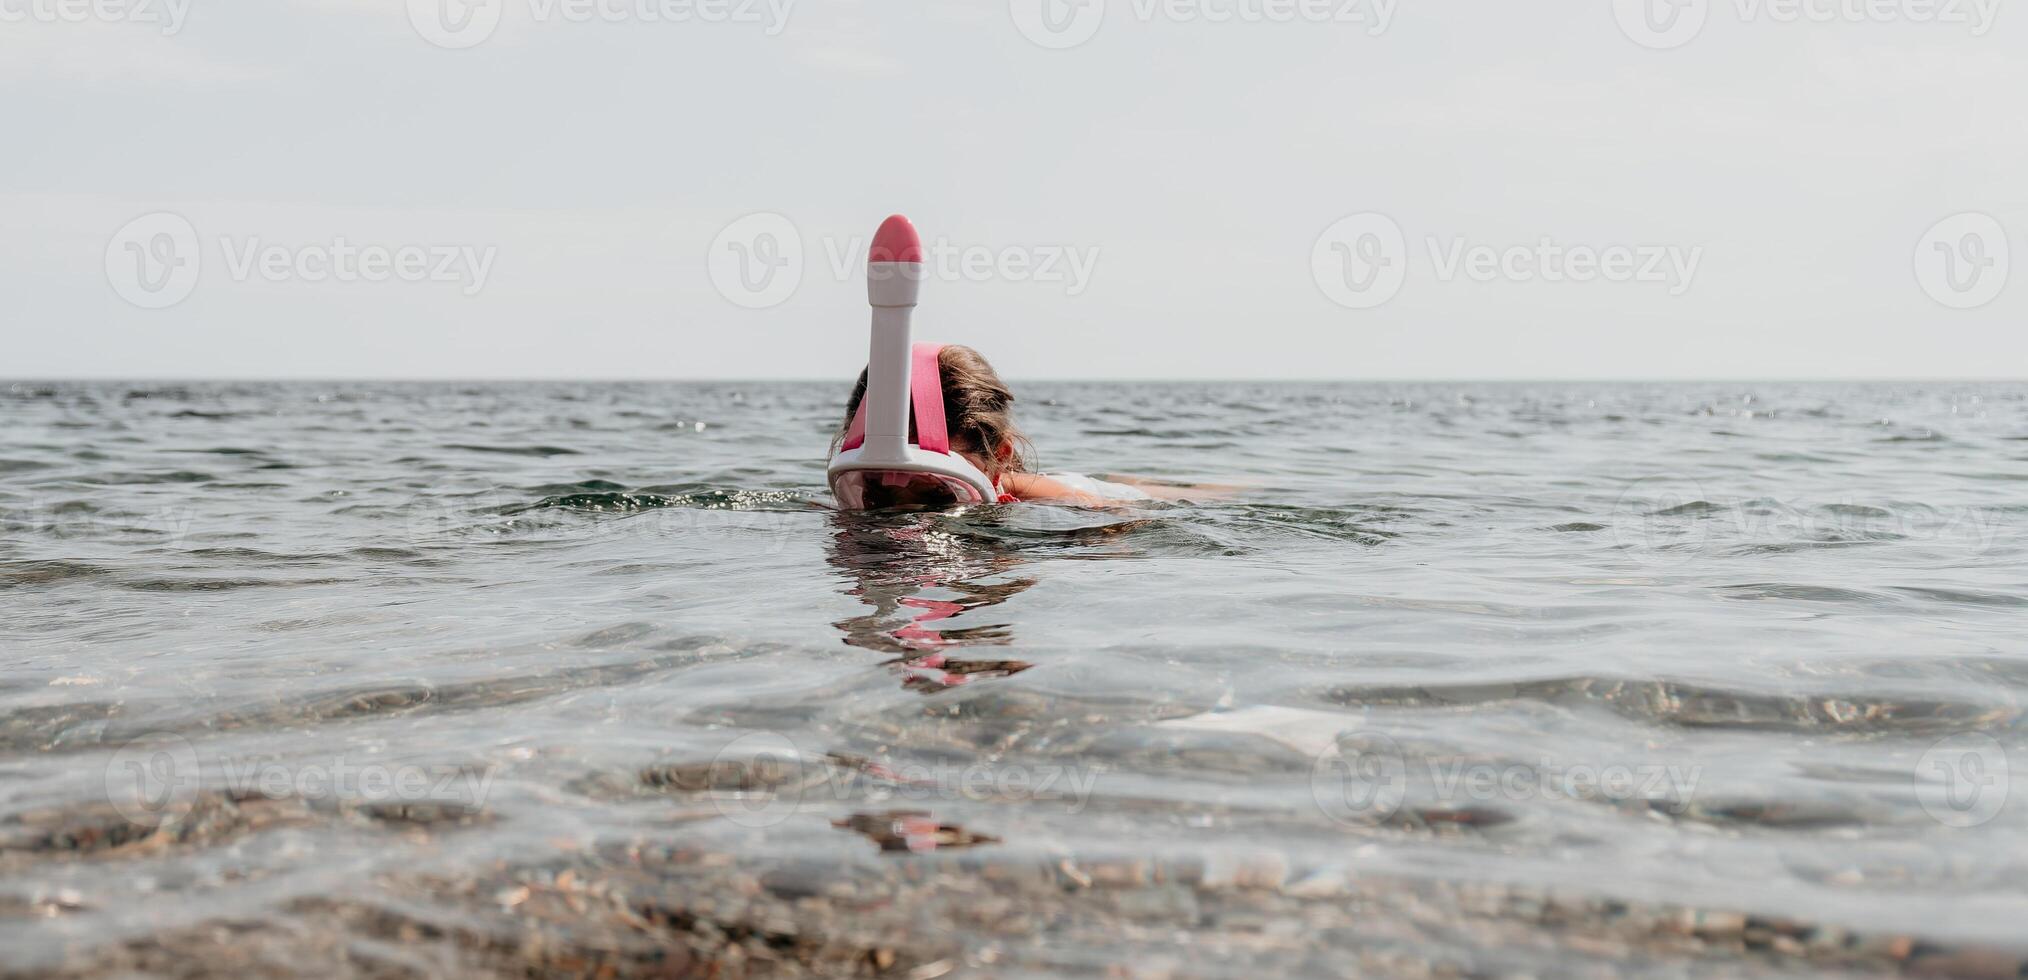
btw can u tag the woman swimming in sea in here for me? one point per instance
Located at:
(979, 420)
(930, 424)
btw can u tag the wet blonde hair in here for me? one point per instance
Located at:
(978, 412)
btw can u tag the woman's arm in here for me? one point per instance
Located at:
(1175, 491)
(1032, 486)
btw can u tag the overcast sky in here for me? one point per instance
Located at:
(1112, 188)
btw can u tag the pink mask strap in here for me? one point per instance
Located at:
(855, 434)
(928, 383)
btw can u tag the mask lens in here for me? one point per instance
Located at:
(875, 489)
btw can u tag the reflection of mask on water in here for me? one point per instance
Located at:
(884, 461)
(920, 579)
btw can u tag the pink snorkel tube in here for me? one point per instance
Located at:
(881, 462)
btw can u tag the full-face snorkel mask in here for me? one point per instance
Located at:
(882, 463)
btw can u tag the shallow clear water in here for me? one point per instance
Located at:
(417, 678)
